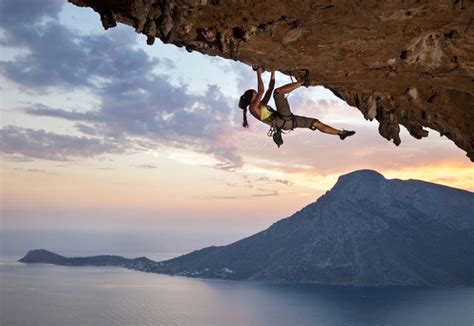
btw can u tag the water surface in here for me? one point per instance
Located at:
(41, 294)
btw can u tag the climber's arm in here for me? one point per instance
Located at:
(260, 89)
(271, 86)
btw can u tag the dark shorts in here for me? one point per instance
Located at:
(283, 107)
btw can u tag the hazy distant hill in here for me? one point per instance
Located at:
(365, 231)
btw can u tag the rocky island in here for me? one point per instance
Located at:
(366, 230)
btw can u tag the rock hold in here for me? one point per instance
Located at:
(408, 63)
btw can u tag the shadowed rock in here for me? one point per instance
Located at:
(407, 63)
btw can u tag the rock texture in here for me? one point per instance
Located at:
(407, 63)
(365, 231)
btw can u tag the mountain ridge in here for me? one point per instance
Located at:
(366, 230)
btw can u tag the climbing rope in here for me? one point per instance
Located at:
(288, 95)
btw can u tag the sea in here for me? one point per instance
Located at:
(42, 294)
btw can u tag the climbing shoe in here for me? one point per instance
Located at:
(346, 133)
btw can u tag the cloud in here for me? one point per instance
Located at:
(36, 170)
(145, 166)
(137, 106)
(272, 181)
(164, 115)
(20, 14)
(43, 110)
(17, 158)
(85, 129)
(40, 144)
(42, 171)
(267, 194)
(58, 56)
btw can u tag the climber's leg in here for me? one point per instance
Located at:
(331, 131)
(285, 89)
(325, 128)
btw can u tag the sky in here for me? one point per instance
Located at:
(101, 132)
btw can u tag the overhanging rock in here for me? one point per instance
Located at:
(407, 63)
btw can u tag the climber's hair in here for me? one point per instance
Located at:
(244, 102)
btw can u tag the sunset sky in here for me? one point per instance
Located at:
(102, 132)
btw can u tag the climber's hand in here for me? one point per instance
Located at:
(258, 69)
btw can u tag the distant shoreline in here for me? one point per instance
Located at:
(143, 264)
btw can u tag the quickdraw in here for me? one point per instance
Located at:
(276, 132)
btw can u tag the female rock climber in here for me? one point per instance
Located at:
(282, 118)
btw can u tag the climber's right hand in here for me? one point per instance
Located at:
(258, 69)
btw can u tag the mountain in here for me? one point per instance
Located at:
(366, 230)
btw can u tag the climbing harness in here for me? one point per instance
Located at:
(276, 132)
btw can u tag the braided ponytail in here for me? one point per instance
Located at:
(244, 103)
(245, 123)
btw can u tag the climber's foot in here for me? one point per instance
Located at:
(305, 78)
(346, 133)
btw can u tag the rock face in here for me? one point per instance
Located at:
(366, 231)
(407, 63)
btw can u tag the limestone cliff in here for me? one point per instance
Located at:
(407, 63)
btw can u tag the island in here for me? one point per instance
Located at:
(367, 230)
